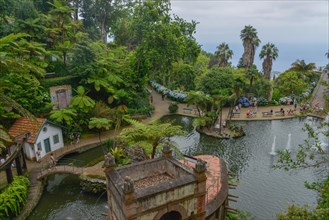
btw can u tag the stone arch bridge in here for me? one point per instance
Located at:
(60, 169)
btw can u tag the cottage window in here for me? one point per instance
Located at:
(39, 146)
(56, 139)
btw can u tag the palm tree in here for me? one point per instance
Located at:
(270, 52)
(250, 43)
(301, 66)
(223, 53)
(251, 74)
(327, 54)
(153, 134)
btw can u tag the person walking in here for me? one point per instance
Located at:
(38, 154)
(52, 160)
(78, 138)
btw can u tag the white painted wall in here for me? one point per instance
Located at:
(50, 132)
(28, 150)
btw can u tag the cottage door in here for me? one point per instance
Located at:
(47, 145)
(61, 98)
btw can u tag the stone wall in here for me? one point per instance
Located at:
(92, 185)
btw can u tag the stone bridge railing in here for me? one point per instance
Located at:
(60, 169)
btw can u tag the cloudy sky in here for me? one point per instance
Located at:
(300, 29)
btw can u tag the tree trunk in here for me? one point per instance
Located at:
(267, 68)
(250, 85)
(154, 147)
(248, 54)
(220, 119)
(103, 32)
(99, 136)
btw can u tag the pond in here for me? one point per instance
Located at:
(262, 190)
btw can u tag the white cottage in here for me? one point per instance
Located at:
(45, 136)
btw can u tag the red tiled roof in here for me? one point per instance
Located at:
(22, 125)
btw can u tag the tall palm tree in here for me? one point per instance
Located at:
(327, 54)
(223, 53)
(250, 43)
(270, 52)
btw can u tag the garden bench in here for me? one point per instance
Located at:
(267, 114)
(278, 113)
(235, 114)
(187, 110)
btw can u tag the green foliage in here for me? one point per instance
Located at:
(240, 215)
(4, 139)
(13, 197)
(289, 83)
(120, 158)
(100, 123)
(216, 78)
(173, 107)
(223, 53)
(64, 80)
(277, 94)
(161, 40)
(26, 90)
(262, 87)
(81, 101)
(201, 64)
(149, 134)
(295, 212)
(199, 99)
(64, 116)
(182, 77)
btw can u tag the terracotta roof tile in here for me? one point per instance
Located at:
(22, 125)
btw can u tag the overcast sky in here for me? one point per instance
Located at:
(300, 29)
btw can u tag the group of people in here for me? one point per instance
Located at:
(250, 114)
(75, 138)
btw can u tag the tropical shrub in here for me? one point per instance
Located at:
(13, 197)
(285, 100)
(173, 107)
(262, 101)
(277, 94)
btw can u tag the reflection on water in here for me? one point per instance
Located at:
(63, 199)
(262, 190)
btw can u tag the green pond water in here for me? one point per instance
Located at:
(262, 190)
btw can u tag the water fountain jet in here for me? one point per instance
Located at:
(273, 147)
(288, 143)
